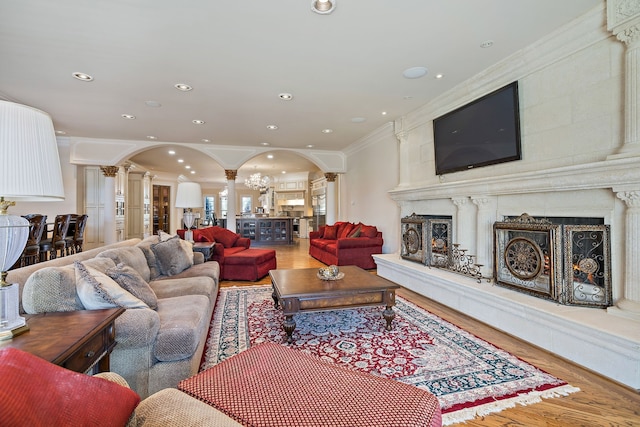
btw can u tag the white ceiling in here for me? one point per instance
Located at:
(240, 55)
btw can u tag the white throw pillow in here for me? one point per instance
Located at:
(96, 290)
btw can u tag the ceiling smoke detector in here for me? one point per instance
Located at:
(323, 7)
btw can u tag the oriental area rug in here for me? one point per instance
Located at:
(469, 376)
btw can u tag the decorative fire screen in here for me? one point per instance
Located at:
(426, 239)
(565, 263)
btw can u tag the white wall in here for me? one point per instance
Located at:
(364, 189)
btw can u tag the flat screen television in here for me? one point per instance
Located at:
(482, 133)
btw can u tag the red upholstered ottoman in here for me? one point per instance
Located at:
(270, 385)
(250, 264)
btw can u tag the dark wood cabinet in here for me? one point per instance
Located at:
(161, 208)
(266, 231)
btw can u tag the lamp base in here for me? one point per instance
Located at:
(188, 235)
(10, 319)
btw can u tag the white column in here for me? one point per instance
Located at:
(405, 158)
(231, 199)
(331, 198)
(109, 203)
(485, 217)
(629, 306)
(465, 225)
(623, 20)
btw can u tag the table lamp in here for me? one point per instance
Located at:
(30, 172)
(188, 196)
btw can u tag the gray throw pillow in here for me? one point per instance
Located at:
(130, 280)
(96, 290)
(171, 257)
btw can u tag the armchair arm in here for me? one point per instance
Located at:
(243, 241)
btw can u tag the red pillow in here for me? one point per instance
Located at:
(369, 231)
(227, 237)
(330, 232)
(356, 231)
(35, 392)
(346, 230)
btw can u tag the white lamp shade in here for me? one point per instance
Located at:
(189, 195)
(14, 232)
(29, 152)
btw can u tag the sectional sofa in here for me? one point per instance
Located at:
(169, 296)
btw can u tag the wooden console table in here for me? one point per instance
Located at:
(77, 340)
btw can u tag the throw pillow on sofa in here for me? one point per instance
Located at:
(129, 279)
(96, 290)
(171, 257)
(35, 392)
(356, 231)
(330, 232)
(227, 237)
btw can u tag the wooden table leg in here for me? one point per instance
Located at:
(388, 315)
(289, 326)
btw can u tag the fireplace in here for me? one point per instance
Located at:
(426, 239)
(561, 259)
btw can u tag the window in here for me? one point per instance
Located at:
(209, 211)
(246, 204)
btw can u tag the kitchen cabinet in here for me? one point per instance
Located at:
(161, 208)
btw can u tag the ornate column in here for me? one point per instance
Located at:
(629, 306)
(485, 217)
(109, 212)
(623, 20)
(465, 225)
(331, 197)
(231, 199)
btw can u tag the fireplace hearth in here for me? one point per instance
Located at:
(565, 262)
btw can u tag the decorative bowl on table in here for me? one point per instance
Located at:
(330, 273)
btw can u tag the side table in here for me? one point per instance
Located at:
(80, 341)
(206, 248)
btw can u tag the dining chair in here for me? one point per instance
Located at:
(31, 253)
(75, 241)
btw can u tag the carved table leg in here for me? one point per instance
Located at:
(289, 326)
(275, 298)
(388, 315)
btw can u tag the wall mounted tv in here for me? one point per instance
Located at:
(481, 133)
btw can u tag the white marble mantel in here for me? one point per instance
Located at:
(590, 337)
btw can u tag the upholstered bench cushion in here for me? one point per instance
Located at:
(250, 257)
(271, 385)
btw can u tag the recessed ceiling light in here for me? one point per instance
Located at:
(180, 160)
(171, 152)
(187, 167)
(439, 76)
(192, 172)
(151, 137)
(152, 104)
(205, 140)
(323, 7)
(128, 117)
(83, 77)
(487, 43)
(358, 119)
(197, 122)
(284, 172)
(269, 156)
(309, 145)
(60, 132)
(285, 96)
(414, 72)
(183, 87)
(265, 144)
(384, 113)
(272, 127)
(327, 130)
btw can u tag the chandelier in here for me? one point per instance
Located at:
(257, 182)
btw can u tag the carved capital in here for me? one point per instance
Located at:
(631, 198)
(109, 171)
(483, 201)
(231, 174)
(460, 201)
(331, 177)
(623, 20)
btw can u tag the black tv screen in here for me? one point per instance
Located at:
(481, 133)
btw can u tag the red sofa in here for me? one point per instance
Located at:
(345, 243)
(237, 261)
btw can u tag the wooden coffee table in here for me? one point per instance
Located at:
(300, 290)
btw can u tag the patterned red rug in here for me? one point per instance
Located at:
(469, 376)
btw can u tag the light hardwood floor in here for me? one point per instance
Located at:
(601, 402)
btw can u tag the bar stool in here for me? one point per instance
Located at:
(50, 248)
(74, 242)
